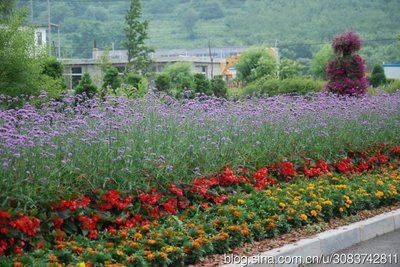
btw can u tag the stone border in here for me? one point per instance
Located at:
(328, 242)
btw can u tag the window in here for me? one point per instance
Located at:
(76, 70)
(201, 68)
(39, 38)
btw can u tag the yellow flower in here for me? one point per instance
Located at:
(282, 205)
(313, 213)
(120, 252)
(328, 202)
(379, 182)
(335, 179)
(169, 249)
(379, 194)
(267, 192)
(318, 207)
(303, 217)
(341, 209)
(81, 264)
(241, 201)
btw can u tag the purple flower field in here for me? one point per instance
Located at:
(122, 143)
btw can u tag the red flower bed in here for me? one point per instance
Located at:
(110, 210)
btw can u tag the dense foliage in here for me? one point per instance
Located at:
(378, 76)
(272, 87)
(298, 26)
(136, 33)
(159, 181)
(346, 72)
(86, 86)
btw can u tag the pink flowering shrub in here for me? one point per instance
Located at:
(346, 73)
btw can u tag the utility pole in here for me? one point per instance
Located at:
(49, 25)
(31, 11)
(211, 58)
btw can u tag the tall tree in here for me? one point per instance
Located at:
(6, 8)
(20, 61)
(136, 35)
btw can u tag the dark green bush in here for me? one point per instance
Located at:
(163, 82)
(202, 84)
(218, 86)
(378, 76)
(271, 87)
(133, 79)
(86, 86)
(111, 78)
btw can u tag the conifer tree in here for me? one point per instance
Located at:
(136, 35)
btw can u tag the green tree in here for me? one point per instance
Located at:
(218, 86)
(6, 9)
(163, 82)
(53, 68)
(136, 35)
(20, 62)
(378, 76)
(86, 86)
(52, 78)
(202, 84)
(189, 19)
(181, 75)
(255, 63)
(318, 63)
(289, 69)
(111, 78)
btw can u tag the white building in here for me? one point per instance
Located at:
(392, 71)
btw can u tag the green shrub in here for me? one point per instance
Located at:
(202, 84)
(271, 87)
(111, 78)
(377, 77)
(86, 86)
(163, 82)
(392, 87)
(218, 86)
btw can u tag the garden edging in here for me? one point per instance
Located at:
(330, 241)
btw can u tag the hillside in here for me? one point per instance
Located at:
(298, 27)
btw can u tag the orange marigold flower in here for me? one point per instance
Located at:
(78, 249)
(53, 258)
(313, 213)
(130, 259)
(245, 232)
(133, 244)
(237, 214)
(137, 236)
(146, 227)
(151, 256)
(17, 264)
(196, 244)
(151, 241)
(163, 255)
(123, 234)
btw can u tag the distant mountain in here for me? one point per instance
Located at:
(297, 27)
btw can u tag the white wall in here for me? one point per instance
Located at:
(392, 71)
